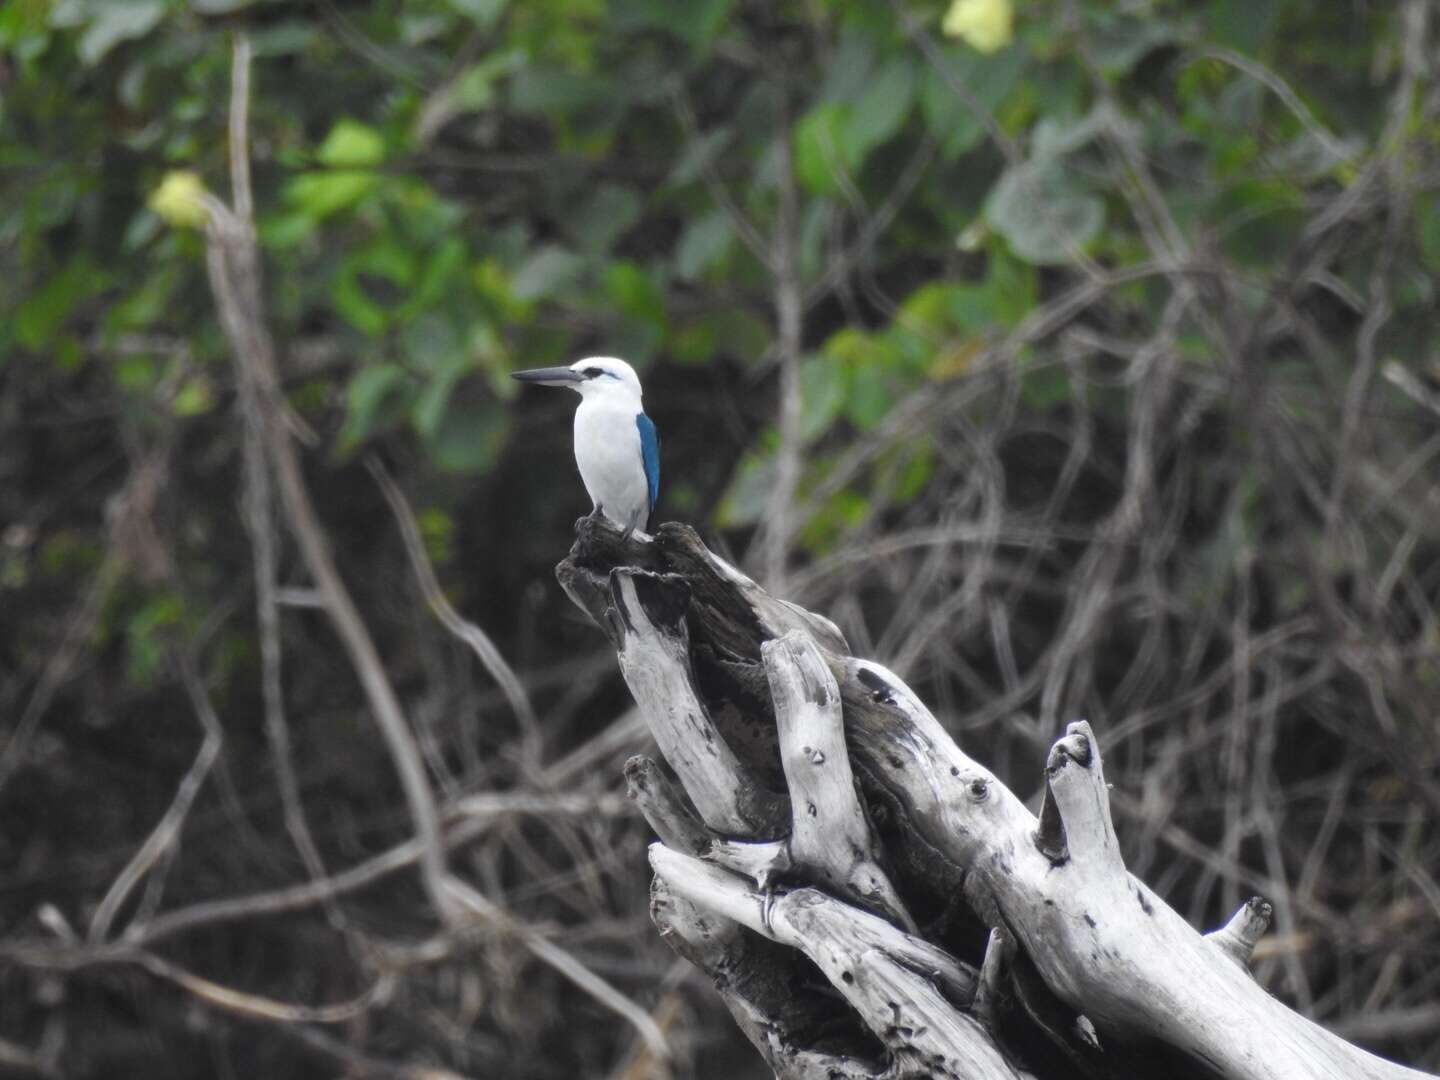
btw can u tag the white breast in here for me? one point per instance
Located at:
(607, 450)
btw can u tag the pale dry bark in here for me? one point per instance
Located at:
(838, 831)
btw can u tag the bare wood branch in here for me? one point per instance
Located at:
(259, 516)
(240, 127)
(887, 976)
(468, 818)
(1247, 926)
(479, 642)
(263, 1008)
(1100, 964)
(233, 262)
(648, 615)
(166, 834)
(664, 807)
(830, 835)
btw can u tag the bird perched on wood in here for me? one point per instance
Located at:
(616, 446)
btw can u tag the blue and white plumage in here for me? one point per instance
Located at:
(616, 446)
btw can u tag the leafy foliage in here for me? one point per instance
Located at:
(1117, 380)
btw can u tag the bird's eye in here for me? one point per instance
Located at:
(593, 372)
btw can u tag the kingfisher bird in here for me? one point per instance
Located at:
(616, 446)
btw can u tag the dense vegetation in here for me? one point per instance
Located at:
(1078, 360)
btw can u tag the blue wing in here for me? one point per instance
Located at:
(650, 455)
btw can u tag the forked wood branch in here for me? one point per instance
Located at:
(842, 836)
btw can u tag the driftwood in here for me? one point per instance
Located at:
(872, 902)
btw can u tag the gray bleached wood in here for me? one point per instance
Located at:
(647, 614)
(1106, 975)
(829, 834)
(1237, 938)
(752, 977)
(1101, 939)
(830, 838)
(891, 979)
(664, 807)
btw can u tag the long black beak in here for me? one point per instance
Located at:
(549, 376)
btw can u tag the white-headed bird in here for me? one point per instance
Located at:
(616, 446)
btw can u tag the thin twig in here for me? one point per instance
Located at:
(479, 642)
(166, 834)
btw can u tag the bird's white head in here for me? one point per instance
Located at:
(591, 377)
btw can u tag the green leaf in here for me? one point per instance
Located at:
(816, 222)
(283, 39)
(475, 88)
(368, 391)
(440, 273)
(705, 241)
(635, 293)
(117, 21)
(136, 373)
(388, 263)
(1243, 24)
(823, 387)
(41, 316)
(596, 226)
(695, 22)
(1045, 387)
(147, 633)
(546, 272)
(870, 396)
(484, 12)
(538, 89)
(1427, 214)
(430, 404)
(965, 81)
(437, 530)
(693, 343)
(321, 194)
(915, 474)
(219, 7)
(841, 512)
(741, 334)
(1011, 291)
(432, 344)
(745, 501)
(848, 71)
(699, 152)
(147, 304)
(822, 151)
(469, 439)
(1044, 217)
(286, 229)
(881, 109)
(351, 145)
(943, 314)
(195, 396)
(1119, 42)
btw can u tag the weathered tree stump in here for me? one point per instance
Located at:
(869, 900)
